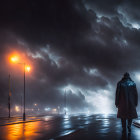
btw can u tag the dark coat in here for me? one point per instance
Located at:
(126, 98)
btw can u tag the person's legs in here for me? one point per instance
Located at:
(129, 124)
(123, 120)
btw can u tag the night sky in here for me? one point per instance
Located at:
(82, 47)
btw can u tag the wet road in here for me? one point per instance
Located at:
(97, 127)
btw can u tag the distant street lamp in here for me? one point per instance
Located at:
(17, 108)
(15, 59)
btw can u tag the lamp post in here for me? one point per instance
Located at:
(9, 95)
(15, 59)
(24, 115)
(21, 104)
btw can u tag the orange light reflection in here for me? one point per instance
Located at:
(23, 130)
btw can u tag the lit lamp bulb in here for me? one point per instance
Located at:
(28, 68)
(14, 59)
(17, 108)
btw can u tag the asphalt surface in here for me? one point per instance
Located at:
(70, 127)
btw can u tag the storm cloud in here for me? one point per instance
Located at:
(82, 47)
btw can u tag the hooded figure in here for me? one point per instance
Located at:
(126, 101)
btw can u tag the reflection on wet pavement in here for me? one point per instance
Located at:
(29, 130)
(18, 131)
(98, 127)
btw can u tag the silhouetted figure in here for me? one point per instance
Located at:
(126, 101)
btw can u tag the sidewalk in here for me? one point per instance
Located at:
(16, 120)
(137, 123)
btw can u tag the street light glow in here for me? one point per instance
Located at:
(54, 109)
(28, 68)
(14, 59)
(17, 108)
(47, 109)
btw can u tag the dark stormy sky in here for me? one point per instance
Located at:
(82, 47)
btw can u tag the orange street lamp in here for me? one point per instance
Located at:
(15, 59)
(28, 68)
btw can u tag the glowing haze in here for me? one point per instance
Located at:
(79, 47)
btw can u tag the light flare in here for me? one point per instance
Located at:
(14, 59)
(17, 108)
(27, 68)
